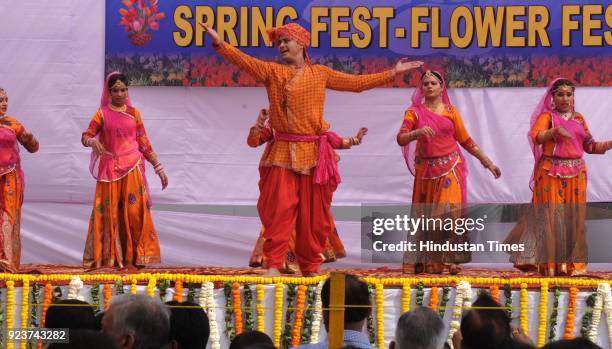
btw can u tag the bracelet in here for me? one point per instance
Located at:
(355, 140)
(158, 167)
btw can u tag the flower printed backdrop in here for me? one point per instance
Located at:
(140, 41)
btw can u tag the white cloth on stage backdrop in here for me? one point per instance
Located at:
(393, 304)
(51, 65)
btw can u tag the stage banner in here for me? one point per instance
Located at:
(494, 43)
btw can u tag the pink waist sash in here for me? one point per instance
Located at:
(327, 168)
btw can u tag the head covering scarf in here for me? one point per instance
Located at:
(293, 31)
(564, 148)
(441, 142)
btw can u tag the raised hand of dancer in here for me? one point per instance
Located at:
(362, 132)
(96, 146)
(163, 178)
(261, 120)
(212, 34)
(426, 131)
(404, 65)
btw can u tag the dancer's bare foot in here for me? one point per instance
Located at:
(272, 272)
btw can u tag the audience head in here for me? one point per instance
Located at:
(420, 328)
(576, 343)
(252, 340)
(72, 314)
(485, 328)
(137, 322)
(189, 327)
(355, 294)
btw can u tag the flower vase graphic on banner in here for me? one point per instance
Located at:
(137, 18)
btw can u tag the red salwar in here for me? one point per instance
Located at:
(288, 199)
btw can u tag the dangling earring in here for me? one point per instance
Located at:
(552, 105)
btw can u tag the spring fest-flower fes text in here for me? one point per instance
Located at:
(353, 27)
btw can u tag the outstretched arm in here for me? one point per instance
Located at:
(357, 83)
(258, 69)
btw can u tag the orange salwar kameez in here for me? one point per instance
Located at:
(11, 197)
(437, 197)
(121, 231)
(553, 228)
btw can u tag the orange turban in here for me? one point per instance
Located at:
(293, 31)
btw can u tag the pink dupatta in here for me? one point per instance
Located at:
(571, 148)
(440, 154)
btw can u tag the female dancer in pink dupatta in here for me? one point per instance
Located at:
(12, 184)
(439, 170)
(121, 231)
(553, 229)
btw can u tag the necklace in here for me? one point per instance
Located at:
(567, 115)
(434, 107)
(119, 109)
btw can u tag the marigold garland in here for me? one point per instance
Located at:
(163, 287)
(25, 310)
(588, 315)
(445, 298)
(151, 287)
(494, 290)
(318, 314)
(371, 327)
(260, 308)
(94, 292)
(524, 316)
(10, 309)
(133, 286)
(299, 313)
(237, 308)
(405, 297)
(570, 319)
(552, 326)
(249, 321)
(119, 287)
(287, 330)
(434, 298)
(508, 301)
(207, 301)
(191, 293)
(463, 299)
(178, 291)
(308, 314)
(107, 291)
(229, 311)
(380, 315)
(48, 295)
(278, 314)
(602, 299)
(542, 314)
(420, 294)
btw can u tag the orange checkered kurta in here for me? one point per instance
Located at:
(296, 103)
